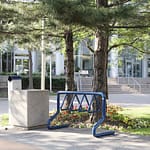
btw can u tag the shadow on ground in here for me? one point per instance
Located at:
(76, 139)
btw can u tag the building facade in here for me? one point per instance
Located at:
(17, 61)
(126, 63)
(120, 64)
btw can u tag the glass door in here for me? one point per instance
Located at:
(137, 69)
(128, 70)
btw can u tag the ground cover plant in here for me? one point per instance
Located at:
(140, 120)
(117, 119)
(131, 120)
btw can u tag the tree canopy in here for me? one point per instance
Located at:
(106, 18)
(86, 12)
(113, 22)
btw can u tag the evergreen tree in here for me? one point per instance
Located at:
(104, 17)
(21, 22)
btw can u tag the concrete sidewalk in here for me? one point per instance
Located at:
(11, 145)
(75, 139)
(69, 139)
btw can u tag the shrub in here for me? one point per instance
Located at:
(57, 83)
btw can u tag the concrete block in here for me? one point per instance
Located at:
(29, 108)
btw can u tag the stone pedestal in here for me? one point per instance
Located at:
(29, 108)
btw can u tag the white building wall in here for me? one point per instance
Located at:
(59, 63)
(114, 64)
(34, 61)
(79, 63)
(144, 67)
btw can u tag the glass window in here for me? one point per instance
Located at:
(148, 62)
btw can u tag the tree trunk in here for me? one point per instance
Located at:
(30, 71)
(100, 69)
(100, 63)
(70, 63)
(103, 3)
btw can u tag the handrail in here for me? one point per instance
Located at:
(131, 81)
(136, 83)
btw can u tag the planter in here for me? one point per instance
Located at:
(29, 108)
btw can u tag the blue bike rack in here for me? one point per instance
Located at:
(81, 99)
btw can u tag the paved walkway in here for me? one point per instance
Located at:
(69, 139)
(11, 145)
(74, 139)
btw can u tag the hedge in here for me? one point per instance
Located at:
(58, 84)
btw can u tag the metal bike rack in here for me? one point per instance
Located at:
(81, 99)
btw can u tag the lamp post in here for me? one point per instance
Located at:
(43, 59)
(1, 69)
(50, 73)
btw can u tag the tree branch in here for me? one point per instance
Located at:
(55, 35)
(130, 45)
(122, 44)
(131, 27)
(140, 50)
(88, 46)
(78, 29)
(11, 33)
(29, 31)
(119, 2)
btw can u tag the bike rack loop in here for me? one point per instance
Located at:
(84, 96)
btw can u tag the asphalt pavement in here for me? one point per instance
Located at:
(124, 100)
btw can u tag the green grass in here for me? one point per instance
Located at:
(141, 113)
(4, 120)
(138, 112)
(141, 131)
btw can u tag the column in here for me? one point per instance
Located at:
(114, 63)
(34, 61)
(59, 63)
(0, 62)
(144, 66)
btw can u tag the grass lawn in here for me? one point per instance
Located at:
(141, 113)
(4, 120)
(137, 112)
(142, 131)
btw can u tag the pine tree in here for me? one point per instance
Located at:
(103, 17)
(21, 22)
